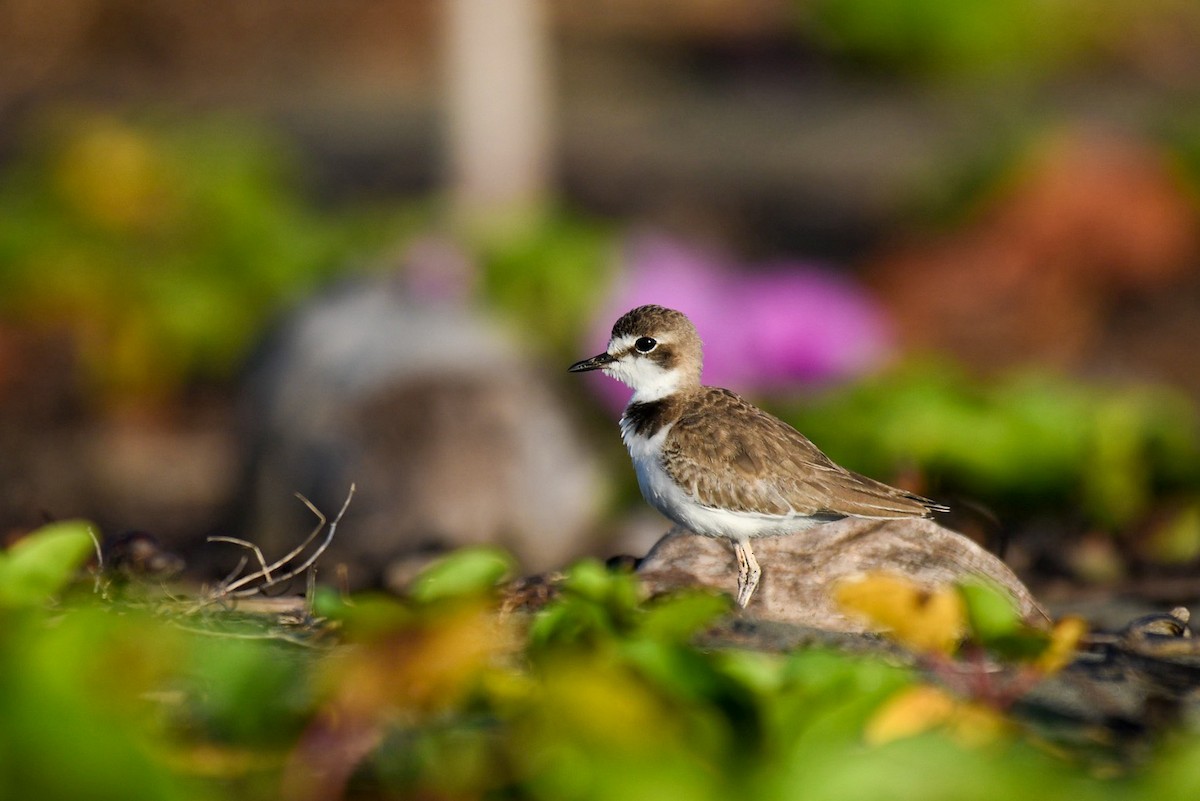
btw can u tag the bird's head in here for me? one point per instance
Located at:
(653, 350)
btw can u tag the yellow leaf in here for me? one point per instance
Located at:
(921, 619)
(217, 761)
(606, 706)
(113, 175)
(1064, 641)
(917, 710)
(976, 725)
(910, 712)
(427, 666)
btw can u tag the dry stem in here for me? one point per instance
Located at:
(281, 570)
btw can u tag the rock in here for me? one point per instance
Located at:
(800, 572)
(450, 433)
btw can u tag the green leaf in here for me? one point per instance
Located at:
(680, 616)
(589, 579)
(328, 602)
(1024, 646)
(466, 572)
(40, 565)
(365, 617)
(991, 612)
(596, 605)
(569, 622)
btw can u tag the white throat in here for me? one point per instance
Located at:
(661, 386)
(648, 381)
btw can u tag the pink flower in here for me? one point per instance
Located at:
(764, 329)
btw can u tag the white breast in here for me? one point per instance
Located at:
(661, 492)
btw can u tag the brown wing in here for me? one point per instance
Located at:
(755, 462)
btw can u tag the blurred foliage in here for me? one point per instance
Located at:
(1177, 540)
(162, 247)
(547, 274)
(36, 568)
(1029, 441)
(464, 571)
(1010, 38)
(597, 696)
(975, 615)
(1180, 135)
(941, 35)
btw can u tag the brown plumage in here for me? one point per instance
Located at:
(727, 453)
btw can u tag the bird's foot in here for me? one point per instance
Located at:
(748, 572)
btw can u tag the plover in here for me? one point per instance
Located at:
(714, 463)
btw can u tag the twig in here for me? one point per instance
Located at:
(238, 635)
(99, 575)
(268, 576)
(320, 548)
(230, 588)
(262, 562)
(310, 593)
(232, 574)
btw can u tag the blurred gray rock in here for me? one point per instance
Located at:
(451, 436)
(800, 572)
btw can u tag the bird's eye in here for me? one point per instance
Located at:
(645, 345)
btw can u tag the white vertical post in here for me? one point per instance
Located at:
(498, 99)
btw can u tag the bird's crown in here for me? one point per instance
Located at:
(651, 320)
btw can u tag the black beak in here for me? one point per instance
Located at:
(594, 363)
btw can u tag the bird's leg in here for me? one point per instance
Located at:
(743, 565)
(748, 572)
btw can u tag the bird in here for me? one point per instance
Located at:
(717, 465)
